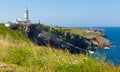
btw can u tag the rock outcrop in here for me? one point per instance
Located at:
(63, 40)
(100, 41)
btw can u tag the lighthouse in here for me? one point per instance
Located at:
(25, 20)
(26, 16)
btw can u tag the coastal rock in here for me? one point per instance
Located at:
(100, 41)
(56, 39)
(42, 35)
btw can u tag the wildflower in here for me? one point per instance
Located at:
(82, 62)
(75, 62)
(86, 58)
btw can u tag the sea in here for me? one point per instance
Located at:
(112, 54)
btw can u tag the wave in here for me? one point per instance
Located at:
(106, 47)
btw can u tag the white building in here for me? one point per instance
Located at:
(18, 21)
(8, 24)
(26, 18)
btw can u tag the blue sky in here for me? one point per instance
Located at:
(77, 13)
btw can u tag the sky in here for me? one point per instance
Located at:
(76, 13)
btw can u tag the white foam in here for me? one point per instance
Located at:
(106, 47)
(92, 52)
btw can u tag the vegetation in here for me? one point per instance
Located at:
(80, 31)
(19, 54)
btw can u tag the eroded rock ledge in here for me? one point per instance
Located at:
(75, 43)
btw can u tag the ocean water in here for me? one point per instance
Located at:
(112, 54)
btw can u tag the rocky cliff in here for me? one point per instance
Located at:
(44, 35)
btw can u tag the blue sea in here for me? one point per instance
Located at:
(112, 54)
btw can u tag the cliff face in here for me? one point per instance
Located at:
(63, 40)
(101, 41)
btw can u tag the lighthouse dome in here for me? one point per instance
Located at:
(26, 8)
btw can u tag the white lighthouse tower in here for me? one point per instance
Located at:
(26, 14)
(26, 17)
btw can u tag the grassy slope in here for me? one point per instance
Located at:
(18, 54)
(79, 31)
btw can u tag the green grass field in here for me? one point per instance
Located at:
(19, 54)
(79, 31)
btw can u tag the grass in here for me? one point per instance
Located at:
(79, 31)
(20, 55)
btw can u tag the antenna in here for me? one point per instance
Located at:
(39, 21)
